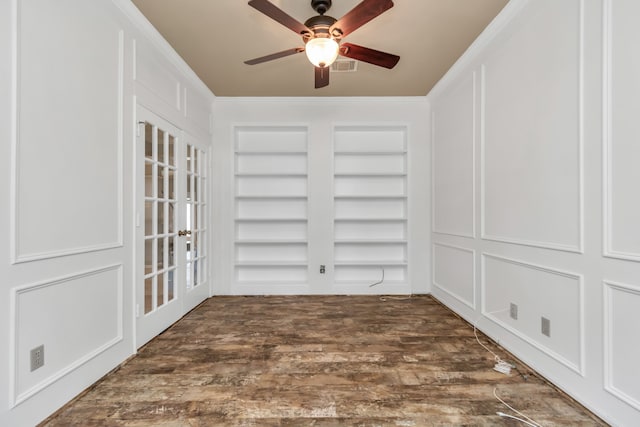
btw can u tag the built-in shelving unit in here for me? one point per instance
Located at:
(370, 203)
(271, 206)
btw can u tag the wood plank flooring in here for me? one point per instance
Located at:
(318, 361)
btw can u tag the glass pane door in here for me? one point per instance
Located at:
(196, 214)
(159, 275)
(160, 217)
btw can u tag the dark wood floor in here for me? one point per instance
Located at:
(318, 361)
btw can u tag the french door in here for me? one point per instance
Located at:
(171, 225)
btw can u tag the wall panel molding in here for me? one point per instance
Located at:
(153, 75)
(471, 233)
(577, 365)
(612, 341)
(469, 303)
(608, 139)
(20, 394)
(578, 245)
(18, 253)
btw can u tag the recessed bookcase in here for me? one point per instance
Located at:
(370, 202)
(271, 206)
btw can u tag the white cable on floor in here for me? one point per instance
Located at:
(505, 368)
(528, 420)
(500, 366)
(395, 298)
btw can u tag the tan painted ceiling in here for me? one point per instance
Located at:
(215, 36)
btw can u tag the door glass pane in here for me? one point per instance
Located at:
(172, 218)
(160, 292)
(161, 207)
(195, 190)
(161, 145)
(172, 150)
(188, 276)
(161, 189)
(148, 216)
(160, 263)
(171, 293)
(172, 185)
(148, 291)
(172, 256)
(148, 256)
(194, 244)
(148, 140)
(148, 179)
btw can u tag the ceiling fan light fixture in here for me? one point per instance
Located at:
(322, 51)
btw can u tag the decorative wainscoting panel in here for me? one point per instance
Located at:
(622, 348)
(153, 73)
(67, 130)
(453, 160)
(75, 318)
(454, 272)
(622, 133)
(532, 191)
(538, 292)
(197, 110)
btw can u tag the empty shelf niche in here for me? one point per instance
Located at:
(271, 205)
(370, 202)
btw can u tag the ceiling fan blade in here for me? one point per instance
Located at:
(322, 77)
(360, 15)
(277, 14)
(375, 57)
(273, 56)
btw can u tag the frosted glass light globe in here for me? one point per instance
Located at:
(322, 51)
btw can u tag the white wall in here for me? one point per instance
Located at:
(70, 75)
(535, 153)
(320, 120)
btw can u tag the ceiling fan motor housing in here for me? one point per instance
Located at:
(319, 25)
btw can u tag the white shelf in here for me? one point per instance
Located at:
(273, 152)
(403, 219)
(268, 174)
(366, 283)
(372, 263)
(370, 153)
(271, 197)
(272, 263)
(369, 197)
(271, 219)
(369, 174)
(271, 242)
(271, 283)
(368, 241)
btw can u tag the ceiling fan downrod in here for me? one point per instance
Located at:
(321, 6)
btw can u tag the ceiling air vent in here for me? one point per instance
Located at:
(344, 66)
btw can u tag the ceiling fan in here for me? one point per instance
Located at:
(322, 35)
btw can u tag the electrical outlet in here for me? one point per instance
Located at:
(37, 357)
(545, 326)
(513, 311)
